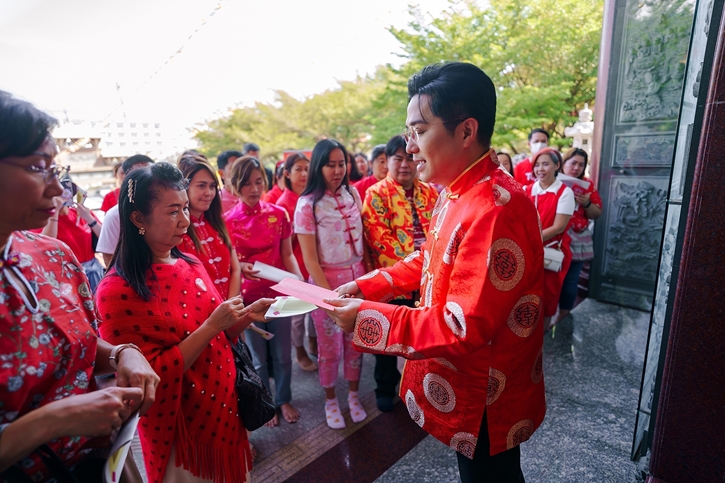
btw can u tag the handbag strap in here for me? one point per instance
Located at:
(552, 244)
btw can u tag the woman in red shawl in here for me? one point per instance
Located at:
(164, 301)
(207, 237)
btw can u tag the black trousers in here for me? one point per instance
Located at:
(501, 468)
(386, 373)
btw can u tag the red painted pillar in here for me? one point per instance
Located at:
(689, 436)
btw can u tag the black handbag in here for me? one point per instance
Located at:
(255, 403)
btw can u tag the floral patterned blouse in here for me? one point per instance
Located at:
(48, 343)
(216, 257)
(337, 224)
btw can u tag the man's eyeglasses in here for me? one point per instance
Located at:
(411, 133)
(49, 174)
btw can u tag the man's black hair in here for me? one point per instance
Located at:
(223, 158)
(132, 161)
(395, 143)
(457, 91)
(542, 131)
(250, 147)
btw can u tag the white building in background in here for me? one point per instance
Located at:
(91, 148)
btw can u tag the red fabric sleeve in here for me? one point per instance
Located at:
(386, 283)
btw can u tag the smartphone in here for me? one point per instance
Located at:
(69, 190)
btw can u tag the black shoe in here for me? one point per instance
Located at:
(385, 404)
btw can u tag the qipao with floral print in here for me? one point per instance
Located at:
(48, 342)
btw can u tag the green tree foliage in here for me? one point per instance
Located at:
(541, 54)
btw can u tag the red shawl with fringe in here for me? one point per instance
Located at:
(196, 409)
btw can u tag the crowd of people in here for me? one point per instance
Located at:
(437, 227)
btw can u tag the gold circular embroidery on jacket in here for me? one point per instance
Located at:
(416, 414)
(439, 393)
(496, 385)
(501, 195)
(506, 264)
(404, 351)
(455, 319)
(464, 443)
(525, 316)
(519, 433)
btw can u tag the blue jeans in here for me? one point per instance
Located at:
(281, 348)
(571, 286)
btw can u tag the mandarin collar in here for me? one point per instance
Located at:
(472, 174)
(195, 219)
(250, 211)
(336, 193)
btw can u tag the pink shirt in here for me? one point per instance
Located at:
(338, 229)
(257, 235)
(228, 200)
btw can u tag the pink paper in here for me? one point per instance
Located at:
(305, 291)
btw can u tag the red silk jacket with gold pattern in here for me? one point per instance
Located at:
(388, 218)
(475, 342)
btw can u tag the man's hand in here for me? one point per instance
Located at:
(345, 312)
(135, 371)
(350, 289)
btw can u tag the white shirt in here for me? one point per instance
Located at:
(110, 231)
(566, 204)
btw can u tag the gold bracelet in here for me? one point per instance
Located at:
(116, 352)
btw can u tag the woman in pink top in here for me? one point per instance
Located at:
(330, 231)
(262, 232)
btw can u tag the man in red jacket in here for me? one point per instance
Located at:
(473, 378)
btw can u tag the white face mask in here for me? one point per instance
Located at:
(536, 147)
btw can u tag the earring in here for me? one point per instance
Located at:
(142, 231)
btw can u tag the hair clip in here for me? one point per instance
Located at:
(130, 191)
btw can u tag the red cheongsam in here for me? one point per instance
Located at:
(546, 203)
(216, 256)
(475, 342)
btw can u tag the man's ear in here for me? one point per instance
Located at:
(470, 132)
(138, 219)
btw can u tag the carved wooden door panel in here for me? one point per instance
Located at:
(647, 70)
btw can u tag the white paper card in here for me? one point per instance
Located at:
(119, 451)
(573, 182)
(289, 307)
(273, 274)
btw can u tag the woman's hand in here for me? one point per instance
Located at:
(345, 312)
(249, 272)
(350, 289)
(226, 315)
(135, 371)
(582, 199)
(256, 311)
(96, 413)
(84, 212)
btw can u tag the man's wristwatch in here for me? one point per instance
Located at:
(116, 352)
(92, 224)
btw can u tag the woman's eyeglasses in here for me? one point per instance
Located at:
(49, 174)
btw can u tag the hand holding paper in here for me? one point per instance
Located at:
(307, 292)
(273, 274)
